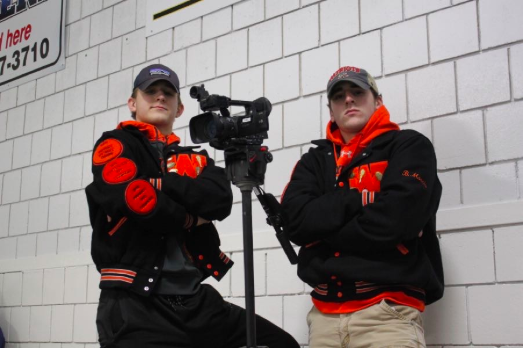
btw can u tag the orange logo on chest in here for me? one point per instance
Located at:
(368, 176)
(185, 164)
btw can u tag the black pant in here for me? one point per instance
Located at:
(127, 320)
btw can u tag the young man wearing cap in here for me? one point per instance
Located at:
(362, 207)
(150, 205)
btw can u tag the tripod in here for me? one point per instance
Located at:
(246, 165)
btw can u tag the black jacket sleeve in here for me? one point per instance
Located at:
(121, 187)
(208, 195)
(409, 198)
(311, 213)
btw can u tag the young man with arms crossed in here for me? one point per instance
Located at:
(150, 206)
(362, 206)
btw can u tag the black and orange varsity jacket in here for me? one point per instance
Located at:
(134, 202)
(372, 230)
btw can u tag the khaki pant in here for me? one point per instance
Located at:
(383, 325)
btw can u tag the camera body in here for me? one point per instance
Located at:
(222, 130)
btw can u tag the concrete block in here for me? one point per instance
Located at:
(79, 214)
(520, 179)
(468, 257)
(503, 138)
(54, 110)
(281, 275)
(451, 196)
(177, 62)
(93, 277)
(6, 153)
(3, 125)
(38, 213)
(459, 141)
(188, 34)
(405, 45)
(232, 52)
(506, 243)
(101, 27)
(270, 308)
(8, 98)
(248, 84)
(201, 62)
(32, 287)
(124, 18)
(79, 36)
(15, 122)
(54, 280)
(120, 86)
(314, 76)
(344, 26)
(265, 41)
(217, 23)
(66, 78)
(26, 92)
(379, 13)
(394, 92)
(453, 32)
(26, 246)
(110, 57)
(74, 105)
(476, 72)
(96, 96)
(73, 11)
(134, 48)
(301, 121)
(30, 182)
(12, 185)
(498, 183)
(295, 310)
(83, 131)
(18, 218)
(19, 324)
(4, 221)
(72, 173)
(58, 212)
(91, 6)
(12, 289)
(41, 146)
(34, 116)
(415, 8)
(61, 141)
(503, 302)
(301, 30)
(500, 24)
(238, 274)
(22, 152)
(516, 70)
(8, 248)
(282, 79)
(46, 244)
(140, 13)
(159, 44)
(75, 284)
(362, 51)
(446, 321)
(432, 91)
(108, 3)
(40, 325)
(85, 323)
(50, 183)
(246, 13)
(45, 86)
(62, 321)
(104, 122)
(275, 8)
(284, 160)
(87, 176)
(87, 64)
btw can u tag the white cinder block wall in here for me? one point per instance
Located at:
(451, 69)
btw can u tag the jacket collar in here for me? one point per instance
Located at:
(150, 132)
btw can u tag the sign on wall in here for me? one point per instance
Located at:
(165, 14)
(31, 40)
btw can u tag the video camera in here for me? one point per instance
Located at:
(220, 131)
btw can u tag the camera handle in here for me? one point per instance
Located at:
(245, 165)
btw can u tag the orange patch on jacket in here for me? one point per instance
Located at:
(107, 150)
(140, 197)
(185, 164)
(119, 170)
(368, 176)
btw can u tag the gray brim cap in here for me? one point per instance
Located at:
(358, 76)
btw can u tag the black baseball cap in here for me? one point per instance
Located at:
(358, 76)
(156, 72)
